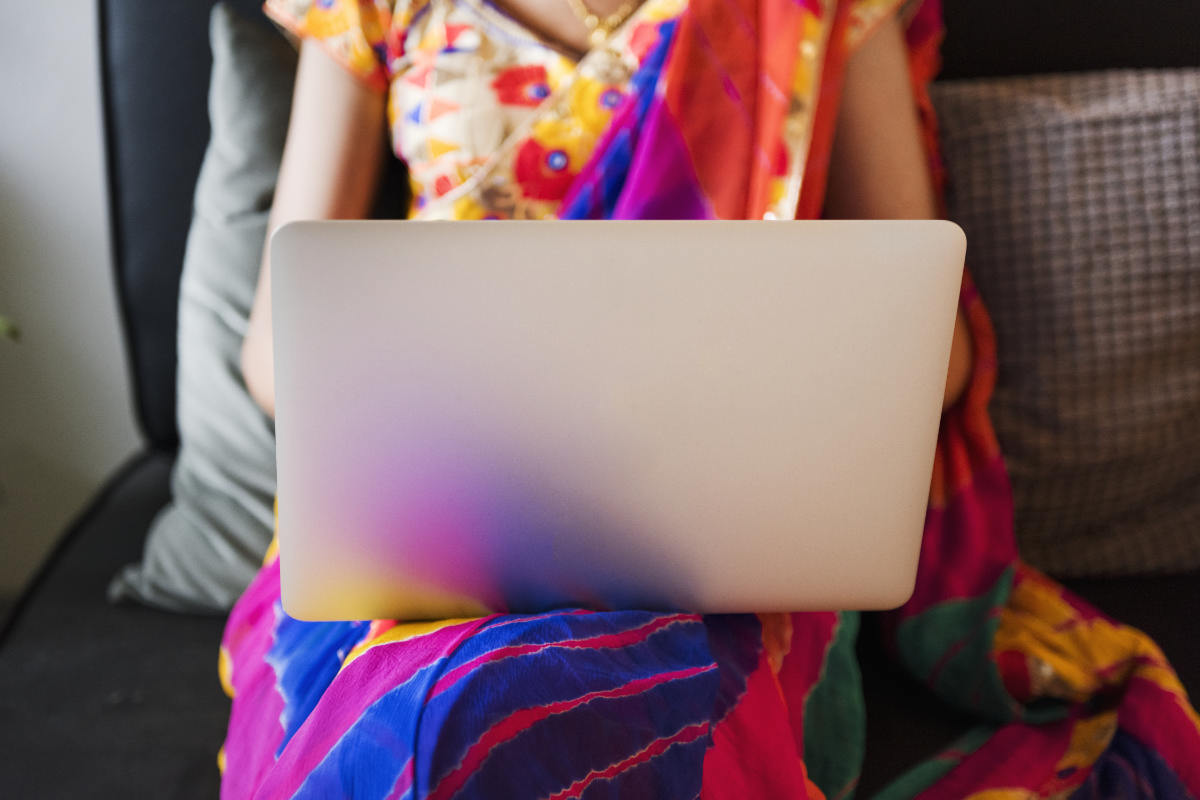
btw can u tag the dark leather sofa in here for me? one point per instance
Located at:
(104, 701)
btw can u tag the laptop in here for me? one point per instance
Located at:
(702, 416)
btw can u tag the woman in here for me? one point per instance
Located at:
(713, 108)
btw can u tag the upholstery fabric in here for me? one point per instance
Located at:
(1080, 196)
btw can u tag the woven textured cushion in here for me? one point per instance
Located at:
(1080, 196)
(205, 547)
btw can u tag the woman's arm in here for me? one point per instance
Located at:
(330, 170)
(878, 167)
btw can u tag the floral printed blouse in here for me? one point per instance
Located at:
(493, 121)
(465, 83)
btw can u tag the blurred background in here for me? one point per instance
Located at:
(66, 418)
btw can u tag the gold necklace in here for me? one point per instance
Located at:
(600, 29)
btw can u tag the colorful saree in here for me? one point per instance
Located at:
(727, 112)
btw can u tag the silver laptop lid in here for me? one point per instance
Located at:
(712, 416)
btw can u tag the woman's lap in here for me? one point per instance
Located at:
(582, 702)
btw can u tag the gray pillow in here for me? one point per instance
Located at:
(205, 547)
(1080, 196)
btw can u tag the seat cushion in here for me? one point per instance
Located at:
(108, 701)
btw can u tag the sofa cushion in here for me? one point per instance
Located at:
(1078, 194)
(204, 548)
(104, 701)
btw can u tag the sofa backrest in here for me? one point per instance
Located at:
(985, 38)
(155, 63)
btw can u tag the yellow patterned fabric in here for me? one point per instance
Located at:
(494, 122)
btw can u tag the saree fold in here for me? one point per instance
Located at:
(729, 114)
